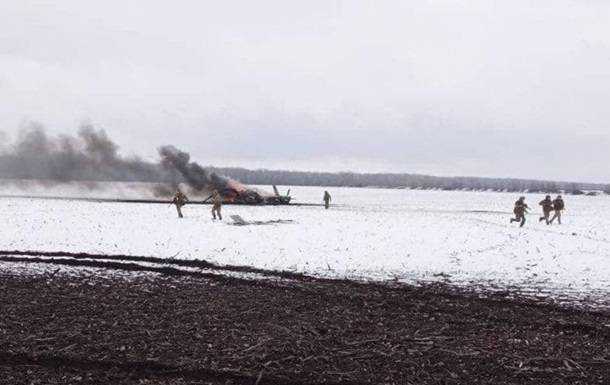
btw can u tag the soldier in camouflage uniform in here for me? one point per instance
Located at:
(558, 206)
(327, 200)
(179, 200)
(216, 204)
(547, 207)
(520, 208)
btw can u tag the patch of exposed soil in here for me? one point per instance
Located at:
(171, 329)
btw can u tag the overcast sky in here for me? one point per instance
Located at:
(475, 87)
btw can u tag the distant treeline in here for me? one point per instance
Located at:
(413, 181)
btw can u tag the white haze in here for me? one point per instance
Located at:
(487, 88)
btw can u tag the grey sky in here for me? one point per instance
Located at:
(479, 87)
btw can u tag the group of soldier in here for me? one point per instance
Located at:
(180, 199)
(548, 206)
(521, 208)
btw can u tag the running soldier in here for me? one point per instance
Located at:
(558, 206)
(216, 204)
(547, 207)
(179, 200)
(520, 209)
(327, 200)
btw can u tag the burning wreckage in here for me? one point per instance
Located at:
(236, 193)
(202, 179)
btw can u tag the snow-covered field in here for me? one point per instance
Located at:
(461, 237)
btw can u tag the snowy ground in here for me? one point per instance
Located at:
(461, 237)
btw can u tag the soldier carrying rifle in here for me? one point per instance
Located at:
(216, 204)
(180, 200)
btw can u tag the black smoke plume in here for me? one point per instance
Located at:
(196, 176)
(90, 156)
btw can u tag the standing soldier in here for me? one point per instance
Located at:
(558, 206)
(520, 208)
(327, 200)
(547, 207)
(216, 204)
(179, 200)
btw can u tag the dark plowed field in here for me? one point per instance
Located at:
(156, 329)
